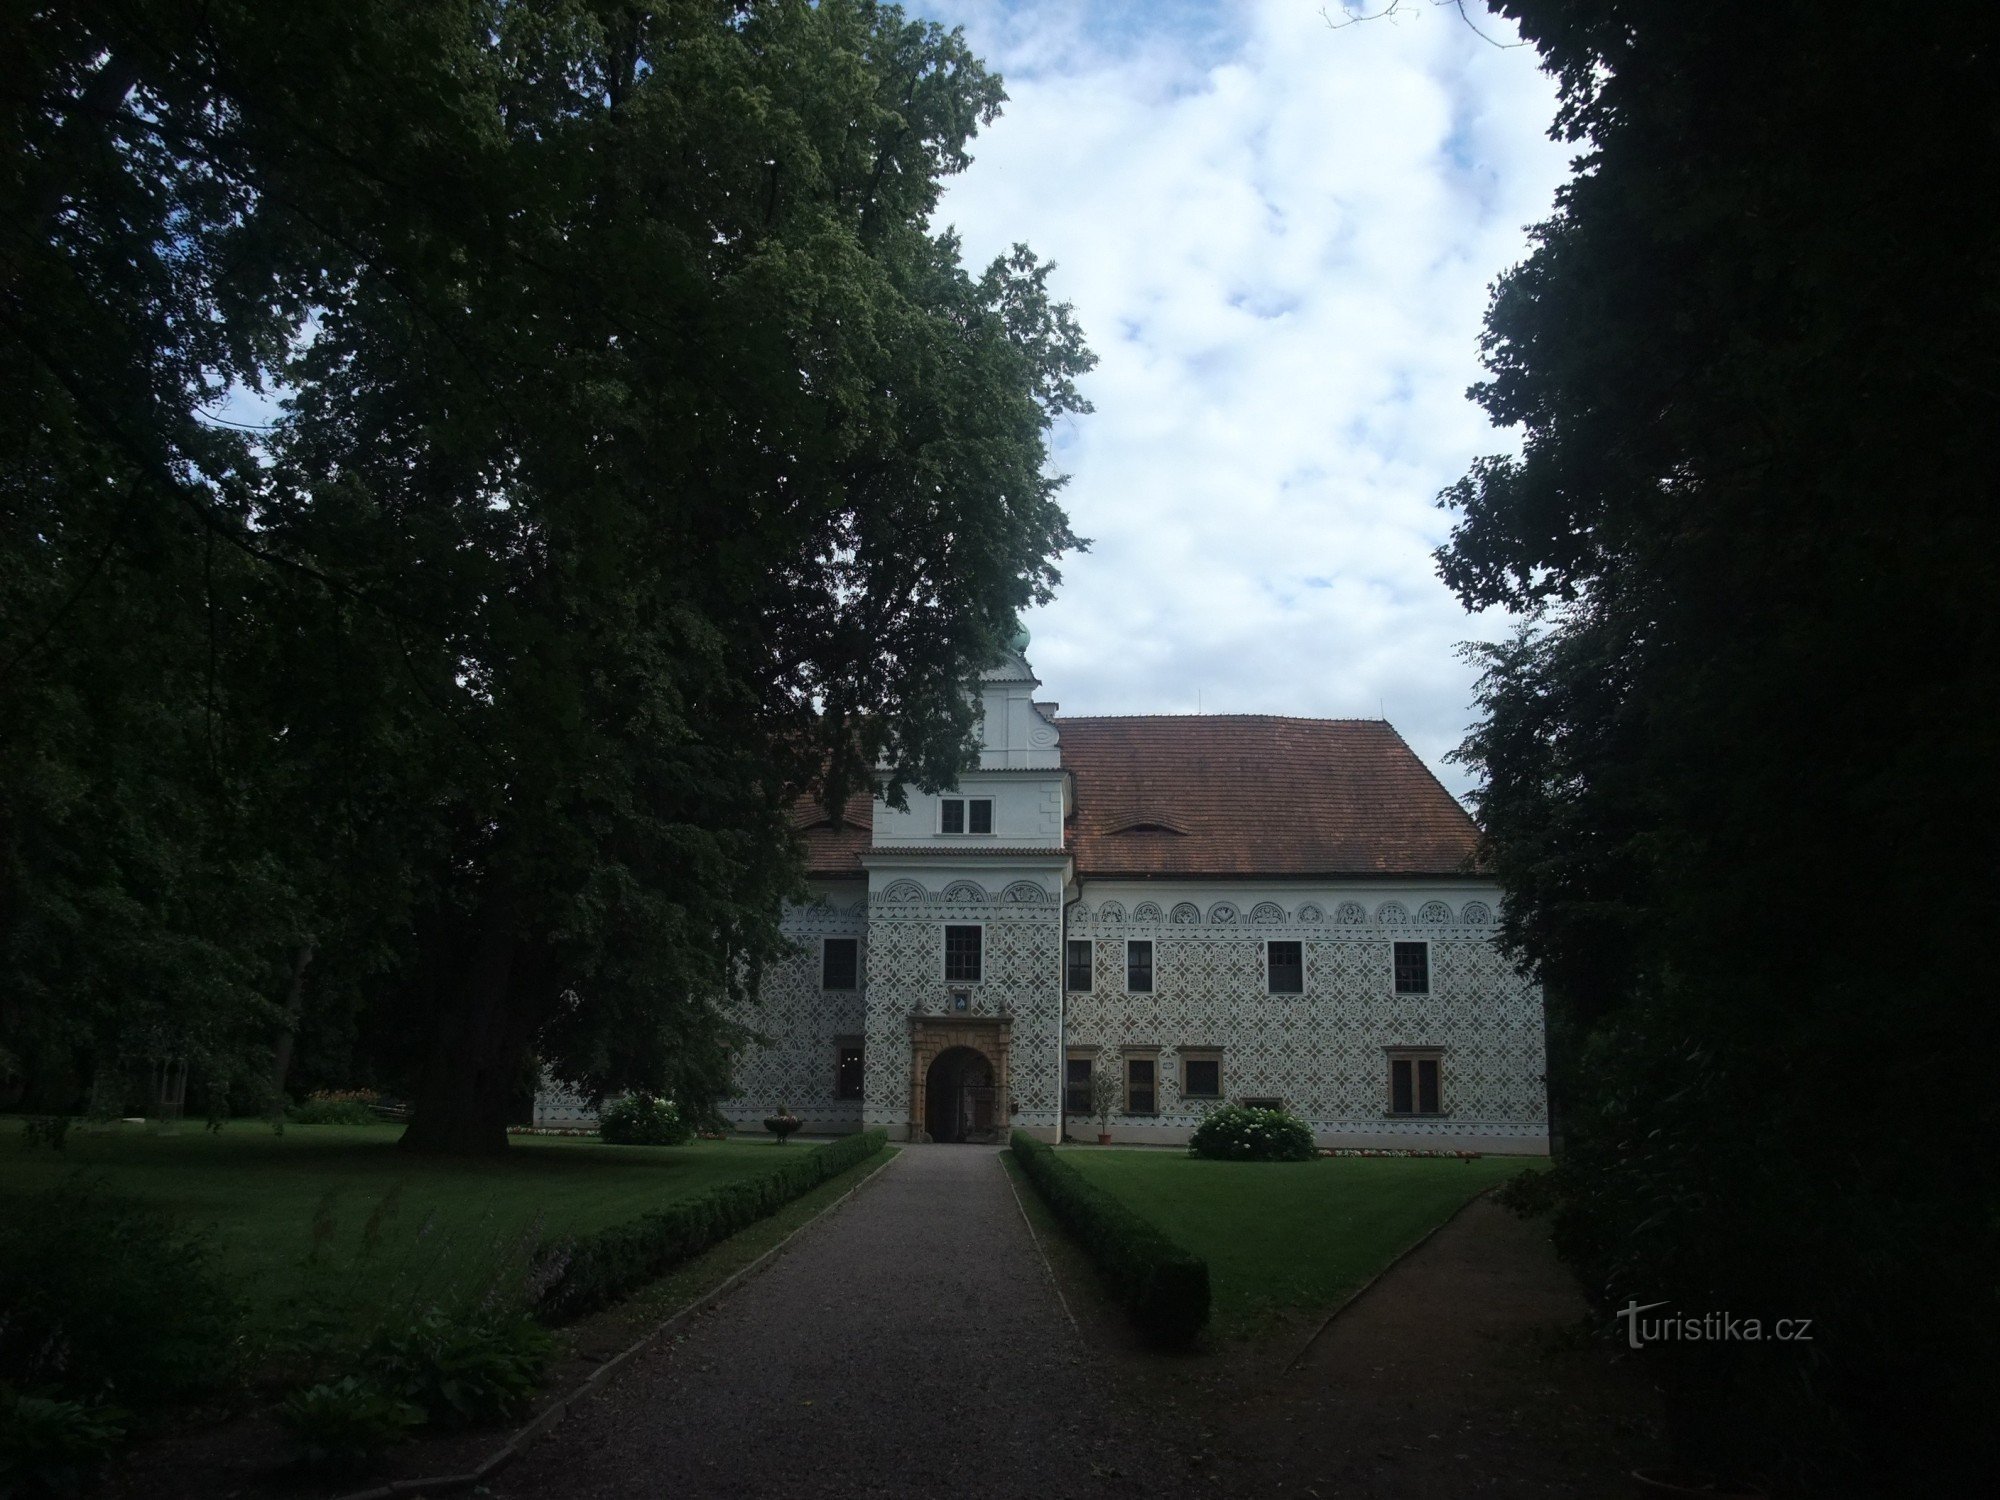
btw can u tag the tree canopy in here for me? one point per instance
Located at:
(1737, 766)
(647, 458)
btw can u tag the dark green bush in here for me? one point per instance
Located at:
(342, 1422)
(592, 1271)
(1234, 1133)
(461, 1369)
(335, 1107)
(1164, 1287)
(50, 1447)
(643, 1120)
(109, 1300)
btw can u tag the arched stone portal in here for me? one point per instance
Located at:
(932, 1039)
(960, 1097)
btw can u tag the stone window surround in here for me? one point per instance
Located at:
(1126, 1057)
(1413, 1055)
(1084, 1053)
(1186, 1055)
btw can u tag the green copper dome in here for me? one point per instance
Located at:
(1020, 640)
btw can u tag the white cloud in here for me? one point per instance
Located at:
(1278, 237)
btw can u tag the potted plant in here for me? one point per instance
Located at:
(1103, 1102)
(782, 1124)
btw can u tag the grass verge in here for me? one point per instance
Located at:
(1284, 1238)
(326, 1214)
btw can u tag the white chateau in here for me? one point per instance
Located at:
(1214, 908)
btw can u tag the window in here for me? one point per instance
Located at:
(1201, 1076)
(1139, 968)
(961, 954)
(965, 815)
(1142, 1086)
(847, 1074)
(1286, 968)
(839, 963)
(1076, 971)
(1261, 1101)
(1416, 1083)
(1413, 968)
(1076, 1086)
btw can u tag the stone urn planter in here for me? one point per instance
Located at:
(1103, 1137)
(782, 1124)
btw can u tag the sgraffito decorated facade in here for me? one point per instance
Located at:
(1197, 908)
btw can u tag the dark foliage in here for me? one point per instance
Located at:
(49, 1448)
(462, 1368)
(1234, 1133)
(647, 460)
(1738, 768)
(1163, 1287)
(595, 1270)
(105, 1300)
(339, 1424)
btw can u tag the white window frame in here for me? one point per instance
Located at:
(944, 929)
(1301, 945)
(1423, 943)
(1152, 969)
(1090, 971)
(965, 817)
(854, 988)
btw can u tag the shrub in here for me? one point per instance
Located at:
(461, 1369)
(335, 1107)
(1163, 1287)
(338, 1424)
(48, 1130)
(50, 1447)
(587, 1273)
(643, 1120)
(1234, 1133)
(109, 1299)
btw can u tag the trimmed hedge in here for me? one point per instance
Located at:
(594, 1270)
(1164, 1287)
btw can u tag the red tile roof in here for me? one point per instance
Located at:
(831, 851)
(1253, 794)
(1228, 795)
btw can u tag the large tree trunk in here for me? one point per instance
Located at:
(481, 1028)
(281, 1049)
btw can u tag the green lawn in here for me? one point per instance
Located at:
(1291, 1236)
(268, 1199)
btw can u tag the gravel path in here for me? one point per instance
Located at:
(909, 1342)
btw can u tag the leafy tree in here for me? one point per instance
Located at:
(1735, 766)
(647, 459)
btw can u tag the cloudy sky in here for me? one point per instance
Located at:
(1278, 238)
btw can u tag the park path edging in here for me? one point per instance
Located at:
(549, 1416)
(1356, 1295)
